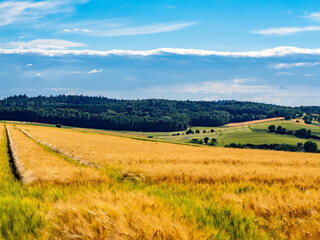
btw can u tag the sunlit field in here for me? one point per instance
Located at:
(85, 185)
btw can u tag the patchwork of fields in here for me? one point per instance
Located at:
(74, 184)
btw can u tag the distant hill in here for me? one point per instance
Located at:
(140, 115)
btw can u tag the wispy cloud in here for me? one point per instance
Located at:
(137, 30)
(283, 31)
(225, 88)
(285, 74)
(273, 52)
(45, 44)
(95, 71)
(315, 16)
(298, 64)
(19, 11)
(90, 72)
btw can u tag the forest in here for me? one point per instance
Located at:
(157, 115)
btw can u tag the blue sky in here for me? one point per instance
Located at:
(266, 51)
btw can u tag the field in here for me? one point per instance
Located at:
(254, 132)
(74, 184)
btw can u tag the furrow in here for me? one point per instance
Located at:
(17, 167)
(60, 151)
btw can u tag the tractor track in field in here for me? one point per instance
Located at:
(16, 166)
(56, 149)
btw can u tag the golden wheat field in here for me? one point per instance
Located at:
(99, 186)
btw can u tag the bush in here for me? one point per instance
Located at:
(310, 146)
(272, 128)
(58, 125)
(189, 131)
(194, 140)
(213, 142)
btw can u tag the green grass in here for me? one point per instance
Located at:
(19, 205)
(253, 134)
(288, 125)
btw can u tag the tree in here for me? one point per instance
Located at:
(198, 131)
(272, 128)
(279, 129)
(213, 142)
(190, 131)
(206, 140)
(204, 131)
(58, 125)
(288, 117)
(301, 132)
(212, 130)
(310, 146)
(300, 146)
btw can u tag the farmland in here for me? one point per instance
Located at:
(73, 183)
(254, 132)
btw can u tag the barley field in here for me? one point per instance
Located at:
(73, 184)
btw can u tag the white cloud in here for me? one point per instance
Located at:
(90, 72)
(29, 65)
(22, 11)
(310, 75)
(224, 88)
(291, 65)
(240, 80)
(38, 74)
(45, 44)
(138, 30)
(95, 71)
(273, 52)
(313, 15)
(285, 73)
(283, 31)
(227, 87)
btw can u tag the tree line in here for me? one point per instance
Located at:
(301, 133)
(140, 115)
(308, 146)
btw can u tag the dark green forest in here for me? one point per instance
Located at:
(140, 115)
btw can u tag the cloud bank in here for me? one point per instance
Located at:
(273, 52)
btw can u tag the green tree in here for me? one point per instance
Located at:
(288, 117)
(310, 146)
(206, 140)
(272, 128)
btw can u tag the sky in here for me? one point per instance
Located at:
(263, 51)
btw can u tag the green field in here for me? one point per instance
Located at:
(253, 134)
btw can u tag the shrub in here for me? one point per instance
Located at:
(310, 146)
